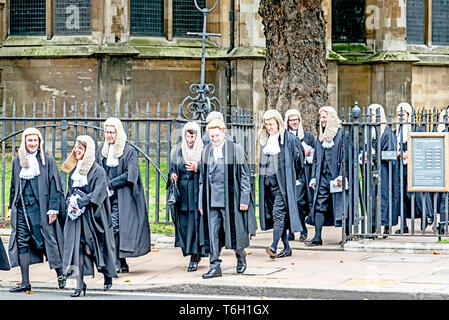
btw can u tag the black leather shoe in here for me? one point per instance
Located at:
(271, 253)
(62, 281)
(284, 253)
(107, 283)
(314, 243)
(124, 269)
(193, 266)
(241, 268)
(291, 236)
(386, 232)
(212, 273)
(303, 237)
(399, 231)
(20, 288)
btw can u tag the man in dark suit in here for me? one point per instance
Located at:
(225, 198)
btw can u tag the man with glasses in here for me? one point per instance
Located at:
(304, 193)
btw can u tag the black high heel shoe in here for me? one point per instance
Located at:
(77, 292)
(62, 281)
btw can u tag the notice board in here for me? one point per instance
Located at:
(428, 162)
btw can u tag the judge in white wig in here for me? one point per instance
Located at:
(404, 113)
(327, 207)
(388, 142)
(126, 195)
(281, 170)
(88, 235)
(184, 172)
(37, 210)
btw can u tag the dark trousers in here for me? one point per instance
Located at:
(24, 236)
(216, 218)
(114, 212)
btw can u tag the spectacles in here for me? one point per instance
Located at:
(293, 120)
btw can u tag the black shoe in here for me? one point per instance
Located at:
(284, 253)
(212, 273)
(399, 231)
(303, 237)
(241, 268)
(386, 232)
(441, 228)
(107, 283)
(62, 281)
(124, 269)
(291, 236)
(77, 292)
(271, 253)
(21, 288)
(314, 243)
(193, 266)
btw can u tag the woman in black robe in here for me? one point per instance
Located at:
(184, 171)
(88, 232)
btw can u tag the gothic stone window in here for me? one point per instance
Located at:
(186, 17)
(73, 17)
(440, 22)
(427, 22)
(27, 17)
(147, 17)
(348, 21)
(415, 21)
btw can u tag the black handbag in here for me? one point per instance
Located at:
(173, 194)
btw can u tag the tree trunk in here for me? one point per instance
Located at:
(295, 73)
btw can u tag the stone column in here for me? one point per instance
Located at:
(116, 21)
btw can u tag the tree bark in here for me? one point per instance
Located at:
(295, 72)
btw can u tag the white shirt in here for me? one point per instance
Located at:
(272, 146)
(33, 169)
(218, 151)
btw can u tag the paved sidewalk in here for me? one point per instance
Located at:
(326, 272)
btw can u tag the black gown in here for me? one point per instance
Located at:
(4, 262)
(189, 224)
(93, 227)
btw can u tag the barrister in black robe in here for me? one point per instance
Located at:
(185, 173)
(388, 142)
(281, 170)
(225, 199)
(37, 210)
(405, 129)
(293, 121)
(327, 207)
(4, 262)
(127, 198)
(88, 232)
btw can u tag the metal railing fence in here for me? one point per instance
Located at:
(152, 130)
(376, 169)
